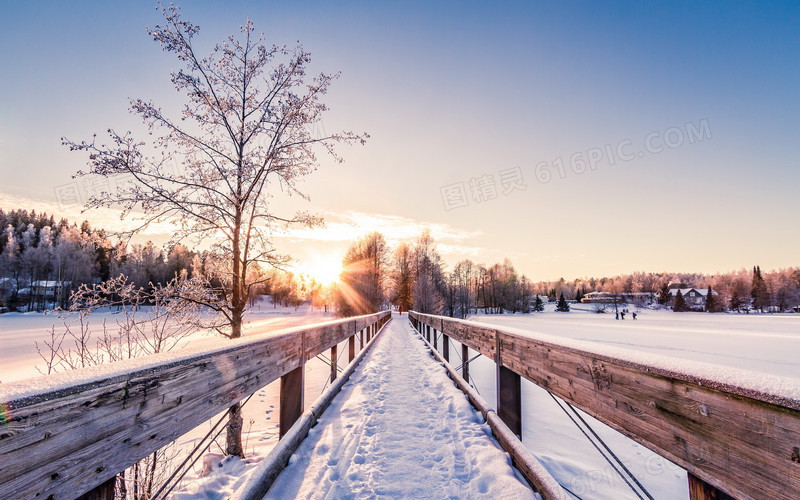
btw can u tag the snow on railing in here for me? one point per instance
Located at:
(66, 434)
(735, 432)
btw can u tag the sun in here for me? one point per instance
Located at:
(323, 269)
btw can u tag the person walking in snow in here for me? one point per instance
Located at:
(634, 315)
(617, 315)
(622, 315)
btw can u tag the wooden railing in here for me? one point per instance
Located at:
(75, 437)
(732, 440)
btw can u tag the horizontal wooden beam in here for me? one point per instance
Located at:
(66, 442)
(741, 441)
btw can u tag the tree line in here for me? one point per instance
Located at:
(43, 263)
(413, 276)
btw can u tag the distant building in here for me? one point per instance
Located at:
(46, 289)
(695, 297)
(619, 298)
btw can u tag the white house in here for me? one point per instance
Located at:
(695, 297)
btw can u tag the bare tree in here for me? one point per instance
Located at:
(244, 130)
(363, 278)
(242, 135)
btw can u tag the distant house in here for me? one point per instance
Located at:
(695, 297)
(48, 289)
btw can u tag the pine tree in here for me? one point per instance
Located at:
(736, 301)
(663, 295)
(538, 304)
(711, 301)
(758, 291)
(680, 303)
(562, 305)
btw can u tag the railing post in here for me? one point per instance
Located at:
(361, 339)
(465, 362)
(435, 340)
(701, 490)
(351, 348)
(509, 388)
(292, 389)
(334, 362)
(103, 492)
(445, 347)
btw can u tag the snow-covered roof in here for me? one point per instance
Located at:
(684, 291)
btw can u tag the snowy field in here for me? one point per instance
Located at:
(762, 343)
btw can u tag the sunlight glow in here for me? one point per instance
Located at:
(324, 269)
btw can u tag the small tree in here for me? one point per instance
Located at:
(243, 136)
(758, 290)
(711, 301)
(663, 295)
(538, 304)
(736, 301)
(562, 305)
(680, 303)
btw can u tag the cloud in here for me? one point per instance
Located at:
(349, 225)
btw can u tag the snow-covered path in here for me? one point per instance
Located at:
(400, 429)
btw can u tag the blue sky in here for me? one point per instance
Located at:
(460, 91)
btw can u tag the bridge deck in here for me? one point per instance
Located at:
(400, 429)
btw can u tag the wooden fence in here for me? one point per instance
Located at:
(733, 441)
(64, 443)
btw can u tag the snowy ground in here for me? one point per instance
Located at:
(400, 429)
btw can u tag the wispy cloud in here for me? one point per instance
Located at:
(349, 225)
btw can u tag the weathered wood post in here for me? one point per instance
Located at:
(292, 388)
(509, 392)
(361, 339)
(103, 492)
(435, 339)
(465, 362)
(445, 344)
(334, 362)
(351, 348)
(701, 490)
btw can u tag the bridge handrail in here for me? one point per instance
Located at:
(74, 432)
(737, 438)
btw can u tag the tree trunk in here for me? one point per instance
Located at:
(235, 422)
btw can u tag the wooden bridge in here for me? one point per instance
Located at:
(73, 437)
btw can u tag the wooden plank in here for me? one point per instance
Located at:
(351, 348)
(68, 442)
(334, 362)
(465, 362)
(509, 392)
(742, 442)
